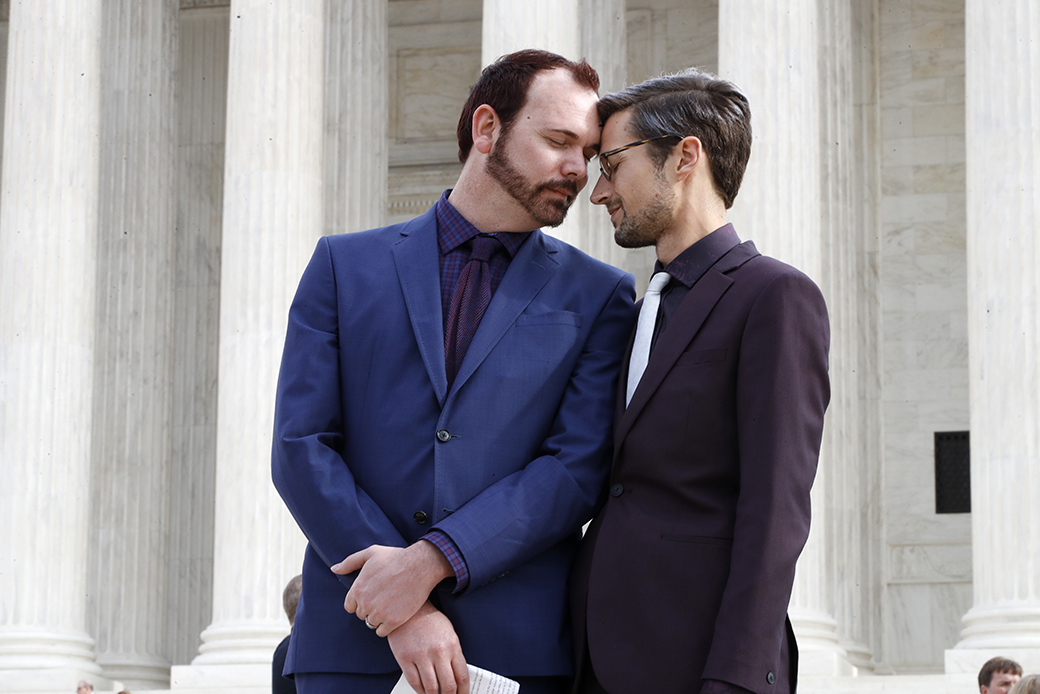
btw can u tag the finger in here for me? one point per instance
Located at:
(412, 675)
(458, 666)
(446, 675)
(428, 675)
(352, 563)
(350, 603)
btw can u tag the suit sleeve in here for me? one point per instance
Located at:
(529, 511)
(307, 467)
(782, 393)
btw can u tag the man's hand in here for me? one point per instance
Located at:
(393, 582)
(427, 649)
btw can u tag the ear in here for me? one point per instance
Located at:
(485, 128)
(691, 156)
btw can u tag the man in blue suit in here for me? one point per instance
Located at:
(444, 409)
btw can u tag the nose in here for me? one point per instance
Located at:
(575, 166)
(601, 193)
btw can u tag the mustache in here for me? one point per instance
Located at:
(564, 184)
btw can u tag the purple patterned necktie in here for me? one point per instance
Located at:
(469, 300)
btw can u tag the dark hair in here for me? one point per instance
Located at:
(291, 597)
(687, 103)
(995, 665)
(504, 83)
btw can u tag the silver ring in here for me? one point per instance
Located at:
(370, 625)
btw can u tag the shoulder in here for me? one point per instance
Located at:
(379, 237)
(765, 272)
(575, 260)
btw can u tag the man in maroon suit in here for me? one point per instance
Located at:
(683, 580)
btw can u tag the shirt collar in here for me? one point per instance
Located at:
(691, 264)
(453, 229)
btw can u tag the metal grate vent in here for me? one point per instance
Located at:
(952, 472)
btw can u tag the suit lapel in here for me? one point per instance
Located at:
(528, 272)
(682, 328)
(418, 271)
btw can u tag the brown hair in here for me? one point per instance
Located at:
(503, 86)
(995, 665)
(291, 597)
(691, 102)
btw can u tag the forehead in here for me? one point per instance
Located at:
(556, 101)
(616, 132)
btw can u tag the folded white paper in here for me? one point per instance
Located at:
(480, 682)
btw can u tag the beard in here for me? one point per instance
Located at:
(645, 227)
(547, 211)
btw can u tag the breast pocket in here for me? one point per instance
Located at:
(701, 356)
(539, 350)
(550, 318)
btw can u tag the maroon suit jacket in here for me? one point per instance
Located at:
(686, 573)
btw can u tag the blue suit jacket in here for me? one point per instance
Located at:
(363, 404)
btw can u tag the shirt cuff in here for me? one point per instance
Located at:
(717, 687)
(442, 541)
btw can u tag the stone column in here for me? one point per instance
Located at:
(1003, 213)
(551, 25)
(201, 110)
(272, 218)
(48, 259)
(773, 52)
(356, 116)
(129, 555)
(604, 41)
(848, 169)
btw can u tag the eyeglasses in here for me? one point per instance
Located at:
(608, 169)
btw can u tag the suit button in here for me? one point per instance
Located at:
(421, 517)
(770, 678)
(443, 436)
(617, 489)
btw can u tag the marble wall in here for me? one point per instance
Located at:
(927, 561)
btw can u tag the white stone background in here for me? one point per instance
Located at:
(892, 576)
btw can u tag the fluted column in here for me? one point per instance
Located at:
(509, 26)
(356, 116)
(847, 169)
(272, 218)
(604, 43)
(48, 259)
(1003, 213)
(773, 52)
(129, 553)
(550, 25)
(201, 110)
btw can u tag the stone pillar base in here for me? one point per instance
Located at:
(136, 672)
(240, 643)
(40, 661)
(819, 652)
(970, 660)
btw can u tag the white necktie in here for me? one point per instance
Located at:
(645, 332)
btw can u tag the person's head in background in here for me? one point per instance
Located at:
(291, 597)
(998, 675)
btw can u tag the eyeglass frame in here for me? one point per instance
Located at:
(607, 169)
